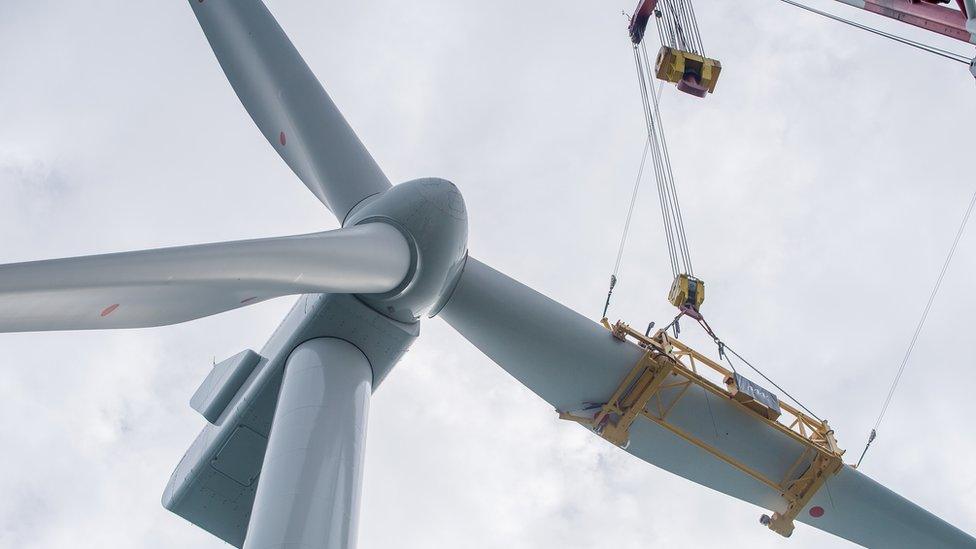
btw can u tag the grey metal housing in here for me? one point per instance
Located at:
(214, 484)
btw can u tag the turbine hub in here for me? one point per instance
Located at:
(430, 213)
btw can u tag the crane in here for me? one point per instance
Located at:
(647, 402)
(936, 16)
(931, 15)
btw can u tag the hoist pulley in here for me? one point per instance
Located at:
(694, 74)
(687, 292)
(682, 59)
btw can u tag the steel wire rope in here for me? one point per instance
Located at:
(630, 209)
(701, 46)
(918, 328)
(764, 376)
(633, 198)
(671, 188)
(673, 237)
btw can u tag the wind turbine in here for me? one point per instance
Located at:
(279, 462)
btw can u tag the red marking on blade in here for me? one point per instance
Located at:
(248, 300)
(110, 309)
(816, 512)
(281, 138)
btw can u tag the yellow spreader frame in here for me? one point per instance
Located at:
(639, 395)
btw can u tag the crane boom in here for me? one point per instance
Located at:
(954, 23)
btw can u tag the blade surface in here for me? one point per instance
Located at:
(564, 357)
(571, 362)
(861, 510)
(288, 104)
(170, 285)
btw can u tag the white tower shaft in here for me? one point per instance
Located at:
(309, 489)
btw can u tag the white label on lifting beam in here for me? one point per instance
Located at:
(757, 393)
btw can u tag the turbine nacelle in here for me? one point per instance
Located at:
(431, 215)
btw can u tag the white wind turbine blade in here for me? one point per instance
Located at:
(288, 104)
(571, 361)
(170, 285)
(562, 356)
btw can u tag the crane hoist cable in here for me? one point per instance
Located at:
(676, 29)
(918, 329)
(687, 291)
(630, 214)
(674, 232)
(681, 59)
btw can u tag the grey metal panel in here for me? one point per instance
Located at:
(205, 497)
(169, 285)
(289, 106)
(222, 383)
(239, 457)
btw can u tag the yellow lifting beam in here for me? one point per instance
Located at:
(665, 358)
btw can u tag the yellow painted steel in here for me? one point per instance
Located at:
(672, 65)
(638, 395)
(687, 290)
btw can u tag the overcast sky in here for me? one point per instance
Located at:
(821, 185)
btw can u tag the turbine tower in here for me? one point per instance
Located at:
(279, 462)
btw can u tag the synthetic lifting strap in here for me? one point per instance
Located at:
(918, 329)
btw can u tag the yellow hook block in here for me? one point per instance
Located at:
(687, 290)
(692, 73)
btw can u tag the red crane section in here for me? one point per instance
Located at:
(930, 15)
(638, 21)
